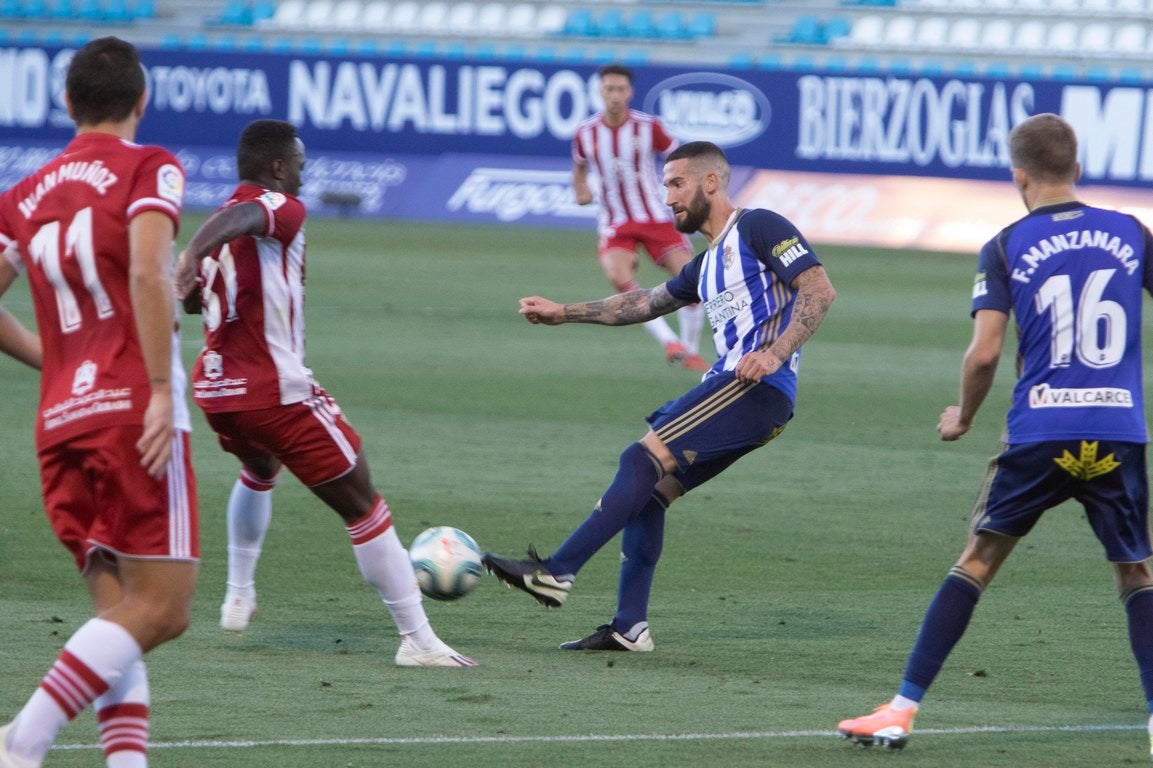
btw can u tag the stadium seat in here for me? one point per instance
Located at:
(521, 19)
(433, 18)
(1096, 37)
(34, 9)
(405, 17)
(235, 13)
(59, 9)
(1130, 6)
(1063, 37)
(345, 16)
(289, 14)
(1065, 6)
(9, 9)
(144, 9)
(867, 31)
(671, 26)
(836, 28)
(88, 10)
(550, 19)
(641, 25)
(806, 30)
(462, 18)
(997, 35)
(317, 14)
(490, 18)
(611, 23)
(964, 34)
(1129, 39)
(701, 25)
(900, 31)
(117, 10)
(579, 23)
(1101, 7)
(933, 32)
(1030, 36)
(375, 16)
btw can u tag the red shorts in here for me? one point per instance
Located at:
(98, 497)
(311, 438)
(660, 238)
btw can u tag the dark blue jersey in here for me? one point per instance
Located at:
(742, 280)
(1072, 276)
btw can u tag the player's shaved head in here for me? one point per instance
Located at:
(104, 81)
(704, 157)
(262, 143)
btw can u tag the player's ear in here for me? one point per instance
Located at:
(68, 106)
(141, 103)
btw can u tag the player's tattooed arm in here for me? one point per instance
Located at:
(814, 294)
(625, 308)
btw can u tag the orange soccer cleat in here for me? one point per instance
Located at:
(886, 727)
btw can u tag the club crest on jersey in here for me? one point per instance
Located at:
(170, 184)
(727, 256)
(84, 378)
(273, 199)
(213, 365)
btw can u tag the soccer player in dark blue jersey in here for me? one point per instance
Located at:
(765, 293)
(1072, 276)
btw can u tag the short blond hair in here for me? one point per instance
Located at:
(1044, 147)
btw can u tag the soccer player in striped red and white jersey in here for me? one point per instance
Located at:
(621, 146)
(262, 401)
(93, 230)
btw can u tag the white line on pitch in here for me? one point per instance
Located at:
(432, 740)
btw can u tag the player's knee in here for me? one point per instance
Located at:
(637, 458)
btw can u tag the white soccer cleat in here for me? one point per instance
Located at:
(408, 655)
(7, 759)
(236, 612)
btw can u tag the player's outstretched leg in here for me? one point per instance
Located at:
(887, 727)
(606, 638)
(532, 576)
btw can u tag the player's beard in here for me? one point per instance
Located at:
(696, 213)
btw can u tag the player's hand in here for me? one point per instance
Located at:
(187, 277)
(540, 311)
(583, 196)
(949, 427)
(155, 444)
(754, 366)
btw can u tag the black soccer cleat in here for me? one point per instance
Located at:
(530, 576)
(607, 639)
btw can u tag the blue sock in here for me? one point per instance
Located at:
(641, 544)
(944, 623)
(1139, 607)
(622, 502)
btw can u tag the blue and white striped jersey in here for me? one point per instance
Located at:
(743, 281)
(1072, 276)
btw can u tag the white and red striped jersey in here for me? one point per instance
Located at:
(624, 160)
(253, 305)
(67, 225)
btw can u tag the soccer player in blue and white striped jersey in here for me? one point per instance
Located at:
(1073, 277)
(765, 294)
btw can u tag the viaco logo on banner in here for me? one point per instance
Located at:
(708, 106)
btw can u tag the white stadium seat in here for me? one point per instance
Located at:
(899, 31)
(375, 16)
(1030, 35)
(1097, 6)
(433, 18)
(462, 18)
(290, 13)
(550, 20)
(933, 31)
(1063, 37)
(521, 19)
(867, 30)
(346, 15)
(405, 17)
(1096, 37)
(490, 19)
(318, 14)
(1129, 38)
(964, 34)
(998, 35)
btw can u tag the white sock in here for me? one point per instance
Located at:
(249, 515)
(93, 660)
(901, 703)
(690, 319)
(384, 564)
(660, 330)
(122, 713)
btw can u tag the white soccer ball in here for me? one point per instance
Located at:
(446, 561)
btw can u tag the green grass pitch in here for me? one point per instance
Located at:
(789, 593)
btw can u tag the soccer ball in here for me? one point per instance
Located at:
(446, 561)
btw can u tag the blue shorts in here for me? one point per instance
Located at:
(1107, 477)
(717, 422)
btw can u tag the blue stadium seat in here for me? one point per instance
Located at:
(252, 44)
(484, 51)
(611, 23)
(671, 26)
(9, 9)
(455, 50)
(575, 55)
(144, 9)
(235, 13)
(60, 9)
(308, 46)
(636, 57)
(702, 24)
(280, 45)
(579, 23)
(34, 9)
(806, 30)
(545, 53)
(171, 41)
(262, 10)
(837, 27)
(52, 38)
(222, 43)
(741, 60)
(117, 10)
(516, 52)
(769, 61)
(197, 41)
(89, 10)
(642, 24)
